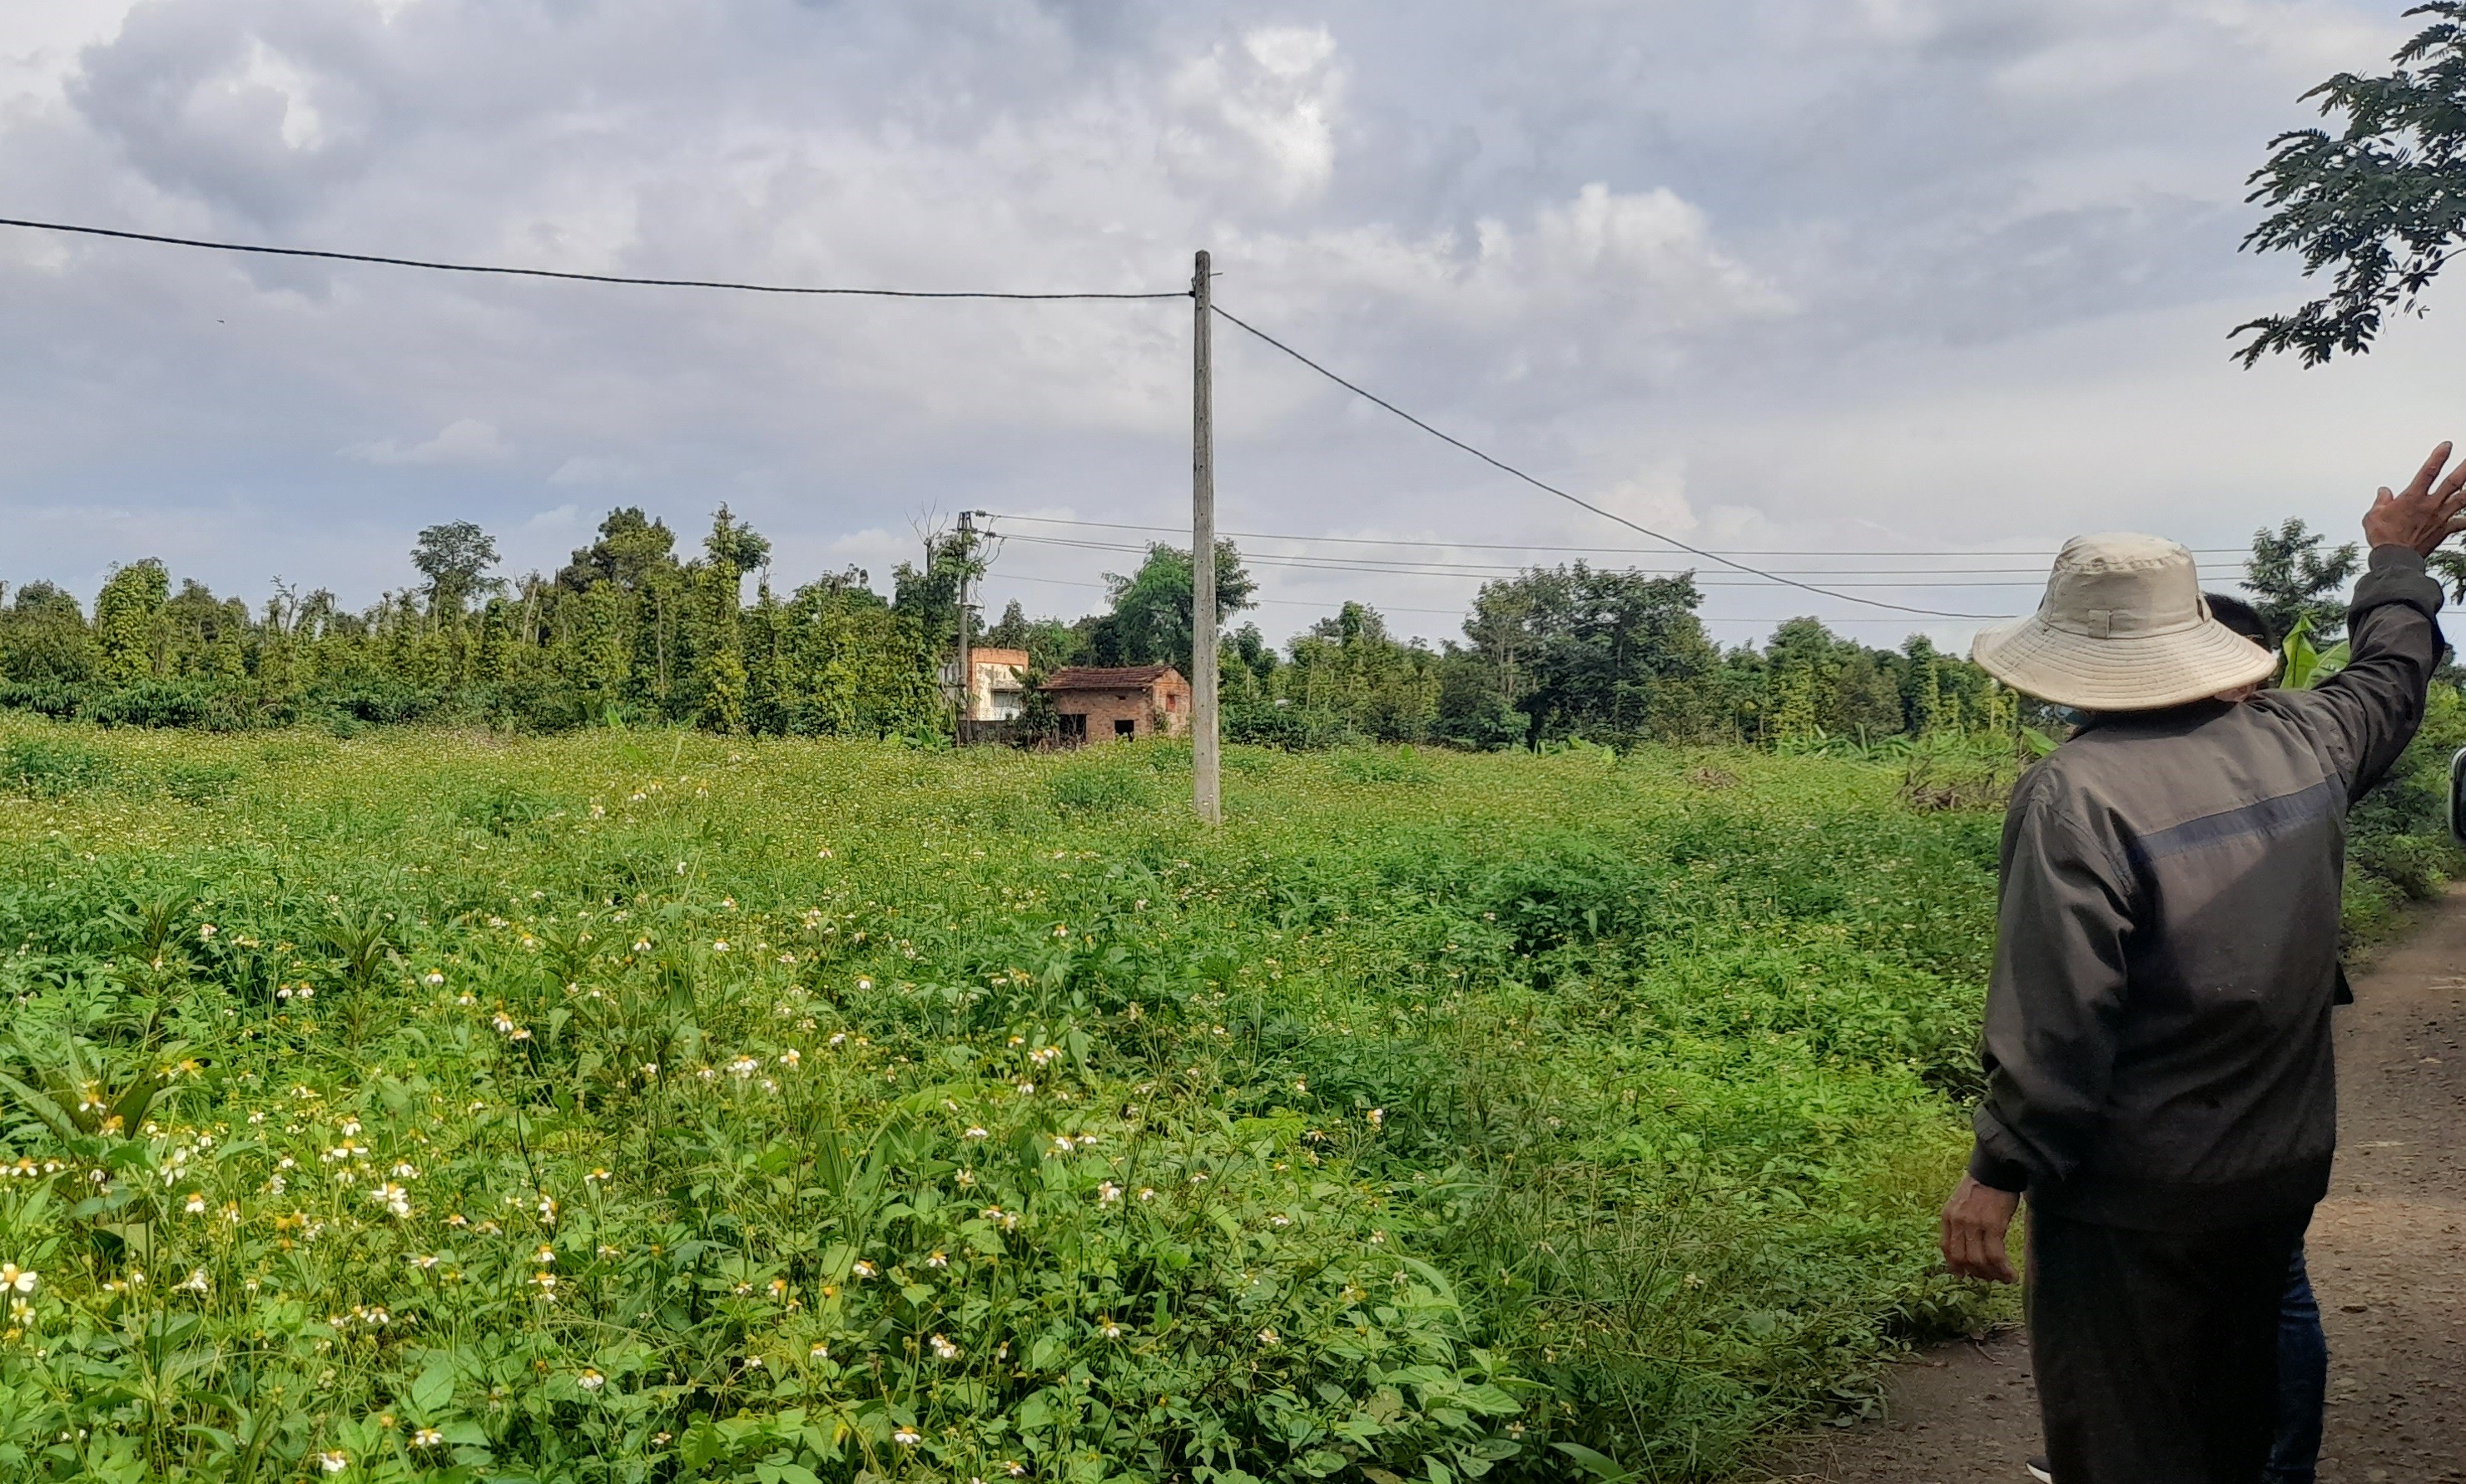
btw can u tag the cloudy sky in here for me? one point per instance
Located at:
(1862, 277)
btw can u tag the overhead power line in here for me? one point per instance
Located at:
(2237, 552)
(1546, 487)
(1729, 560)
(1936, 576)
(1440, 613)
(1493, 570)
(554, 273)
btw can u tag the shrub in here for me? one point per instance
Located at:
(1374, 765)
(1291, 729)
(48, 767)
(1092, 787)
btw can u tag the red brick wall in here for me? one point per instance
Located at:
(1173, 706)
(1169, 703)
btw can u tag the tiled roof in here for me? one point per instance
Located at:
(1128, 677)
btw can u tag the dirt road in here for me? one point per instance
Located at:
(2388, 1256)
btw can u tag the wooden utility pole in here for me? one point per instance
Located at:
(1205, 763)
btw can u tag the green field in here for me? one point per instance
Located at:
(659, 1105)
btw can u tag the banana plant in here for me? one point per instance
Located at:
(2305, 667)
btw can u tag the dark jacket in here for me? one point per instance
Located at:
(2157, 1048)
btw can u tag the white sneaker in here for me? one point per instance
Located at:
(2041, 1470)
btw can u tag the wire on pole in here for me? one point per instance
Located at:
(2008, 553)
(556, 272)
(1547, 488)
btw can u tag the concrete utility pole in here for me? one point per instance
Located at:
(1205, 762)
(967, 680)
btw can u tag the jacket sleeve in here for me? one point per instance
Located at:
(2369, 710)
(2055, 997)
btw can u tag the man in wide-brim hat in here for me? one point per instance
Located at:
(2160, 1080)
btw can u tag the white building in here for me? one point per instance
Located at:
(999, 688)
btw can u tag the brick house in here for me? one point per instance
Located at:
(1097, 704)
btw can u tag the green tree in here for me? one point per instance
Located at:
(203, 635)
(735, 544)
(719, 649)
(631, 547)
(2377, 198)
(2292, 578)
(455, 558)
(1823, 683)
(128, 621)
(1011, 632)
(1580, 649)
(1151, 617)
(1350, 670)
(43, 638)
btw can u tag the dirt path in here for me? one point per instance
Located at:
(2388, 1256)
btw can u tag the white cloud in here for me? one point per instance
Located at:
(1901, 20)
(1602, 252)
(1656, 498)
(39, 46)
(267, 71)
(1787, 274)
(593, 469)
(461, 441)
(1276, 93)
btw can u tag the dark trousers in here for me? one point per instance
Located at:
(2302, 1381)
(2156, 1353)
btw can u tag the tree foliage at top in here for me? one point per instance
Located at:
(631, 547)
(1580, 647)
(2293, 580)
(1151, 622)
(455, 558)
(2380, 199)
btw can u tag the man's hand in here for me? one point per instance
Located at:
(1975, 1223)
(2426, 514)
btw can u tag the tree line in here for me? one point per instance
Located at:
(631, 630)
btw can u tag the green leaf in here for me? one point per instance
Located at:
(53, 1115)
(1599, 1466)
(434, 1391)
(702, 1445)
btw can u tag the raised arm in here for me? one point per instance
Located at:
(2372, 707)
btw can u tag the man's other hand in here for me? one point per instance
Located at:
(2427, 513)
(1976, 1221)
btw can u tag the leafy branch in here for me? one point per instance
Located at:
(2381, 200)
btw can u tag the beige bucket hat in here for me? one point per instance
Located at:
(2122, 628)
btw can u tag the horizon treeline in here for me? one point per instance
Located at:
(633, 631)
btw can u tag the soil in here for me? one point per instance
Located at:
(2388, 1253)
